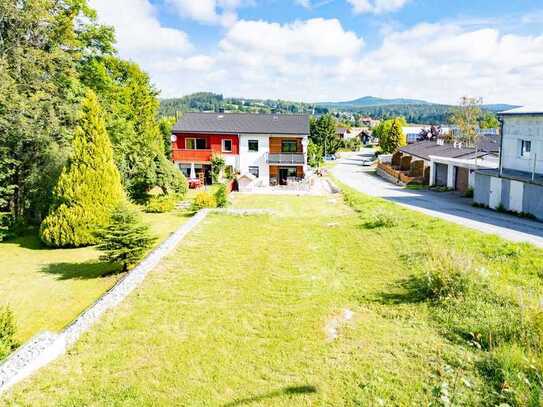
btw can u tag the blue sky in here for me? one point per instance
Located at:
(315, 50)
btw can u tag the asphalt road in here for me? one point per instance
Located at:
(445, 205)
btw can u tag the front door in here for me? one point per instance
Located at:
(283, 175)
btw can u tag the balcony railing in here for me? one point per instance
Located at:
(286, 158)
(191, 155)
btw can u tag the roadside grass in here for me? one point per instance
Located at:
(48, 288)
(319, 304)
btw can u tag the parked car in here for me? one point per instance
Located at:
(329, 157)
(368, 162)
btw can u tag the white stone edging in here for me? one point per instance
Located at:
(47, 346)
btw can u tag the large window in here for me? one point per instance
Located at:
(289, 146)
(525, 148)
(254, 171)
(227, 145)
(253, 145)
(195, 144)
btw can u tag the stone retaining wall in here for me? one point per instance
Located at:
(47, 346)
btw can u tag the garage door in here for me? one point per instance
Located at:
(462, 179)
(441, 175)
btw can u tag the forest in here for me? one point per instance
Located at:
(79, 126)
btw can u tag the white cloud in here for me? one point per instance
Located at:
(444, 62)
(376, 6)
(303, 3)
(221, 12)
(317, 37)
(318, 59)
(138, 31)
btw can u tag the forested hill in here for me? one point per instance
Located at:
(414, 111)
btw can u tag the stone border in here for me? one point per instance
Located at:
(47, 346)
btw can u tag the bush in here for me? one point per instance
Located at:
(381, 219)
(7, 332)
(469, 193)
(204, 200)
(7, 223)
(221, 196)
(161, 204)
(514, 377)
(125, 240)
(447, 274)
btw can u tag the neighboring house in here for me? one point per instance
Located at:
(517, 185)
(342, 133)
(447, 164)
(270, 147)
(412, 133)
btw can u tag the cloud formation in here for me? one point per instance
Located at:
(376, 6)
(318, 59)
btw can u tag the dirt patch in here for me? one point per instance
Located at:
(334, 324)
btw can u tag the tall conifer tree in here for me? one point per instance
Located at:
(89, 187)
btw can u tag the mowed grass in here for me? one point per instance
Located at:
(48, 288)
(304, 307)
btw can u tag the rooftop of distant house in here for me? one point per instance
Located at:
(525, 110)
(235, 123)
(424, 149)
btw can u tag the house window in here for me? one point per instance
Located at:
(227, 145)
(254, 171)
(289, 146)
(195, 143)
(525, 148)
(253, 145)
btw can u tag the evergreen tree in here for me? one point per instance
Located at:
(125, 240)
(139, 140)
(89, 186)
(323, 133)
(396, 136)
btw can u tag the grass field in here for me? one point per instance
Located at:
(48, 288)
(311, 306)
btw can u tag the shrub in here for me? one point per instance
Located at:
(161, 204)
(125, 240)
(381, 219)
(7, 223)
(217, 166)
(514, 377)
(89, 187)
(7, 332)
(204, 200)
(469, 193)
(445, 274)
(221, 196)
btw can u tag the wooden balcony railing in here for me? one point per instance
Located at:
(191, 155)
(285, 158)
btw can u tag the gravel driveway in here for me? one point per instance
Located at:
(448, 206)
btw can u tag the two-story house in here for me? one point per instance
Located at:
(517, 185)
(269, 147)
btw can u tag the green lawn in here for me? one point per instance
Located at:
(306, 307)
(48, 288)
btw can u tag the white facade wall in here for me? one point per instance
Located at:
(516, 196)
(495, 197)
(515, 129)
(254, 159)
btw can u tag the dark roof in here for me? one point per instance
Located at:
(243, 123)
(424, 149)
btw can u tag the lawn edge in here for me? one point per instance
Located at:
(45, 347)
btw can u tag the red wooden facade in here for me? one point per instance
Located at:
(213, 145)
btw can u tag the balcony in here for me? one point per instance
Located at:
(285, 158)
(193, 156)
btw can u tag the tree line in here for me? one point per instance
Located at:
(79, 127)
